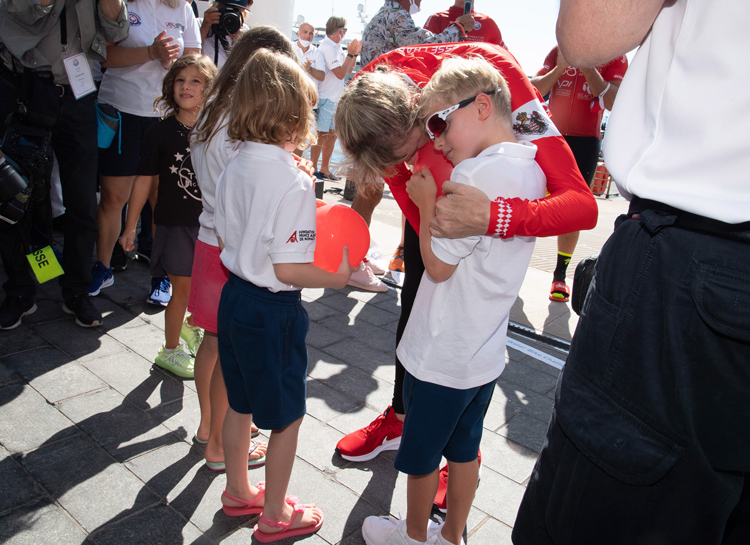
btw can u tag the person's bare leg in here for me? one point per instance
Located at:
(420, 491)
(567, 243)
(327, 144)
(219, 405)
(176, 308)
(115, 192)
(282, 448)
(315, 151)
(462, 486)
(205, 362)
(236, 433)
(366, 200)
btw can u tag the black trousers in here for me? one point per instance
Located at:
(586, 152)
(650, 441)
(75, 144)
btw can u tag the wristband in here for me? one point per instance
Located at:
(601, 95)
(352, 56)
(500, 216)
(460, 28)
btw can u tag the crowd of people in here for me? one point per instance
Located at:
(648, 441)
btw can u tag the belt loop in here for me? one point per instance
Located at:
(655, 222)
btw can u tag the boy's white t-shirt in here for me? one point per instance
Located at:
(209, 161)
(133, 89)
(265, 214)
(455, 335)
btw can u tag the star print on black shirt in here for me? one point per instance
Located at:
(166, 153)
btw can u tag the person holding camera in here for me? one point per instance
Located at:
(47, 49)
(221, 25)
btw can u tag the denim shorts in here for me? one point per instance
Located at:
(440, 421)
(263, 352)
(326, 112)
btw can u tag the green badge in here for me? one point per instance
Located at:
(44, 264)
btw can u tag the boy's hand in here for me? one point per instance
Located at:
(127, 240)
(422, 188)
(306, 166)
(345, 270)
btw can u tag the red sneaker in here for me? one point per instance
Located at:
(383, 433)
(441, 499)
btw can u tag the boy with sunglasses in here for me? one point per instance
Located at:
(454, 344)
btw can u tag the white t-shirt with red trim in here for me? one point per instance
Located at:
(575, 110)
(265, 214)
(570, 205)
(455, 336)
(133, 89)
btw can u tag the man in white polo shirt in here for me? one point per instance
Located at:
(337, 65)
(312, 62)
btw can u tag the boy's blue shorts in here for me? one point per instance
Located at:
(440, 421)
(263, 352)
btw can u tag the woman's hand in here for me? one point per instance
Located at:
(162, 49)
(422, 189)
(127, 240)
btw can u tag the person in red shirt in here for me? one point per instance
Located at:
(379, 132)
(578, 97)
(485, 29)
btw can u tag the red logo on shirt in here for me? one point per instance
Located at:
(292, 238)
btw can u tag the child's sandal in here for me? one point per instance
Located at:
(249, 508)
(286, 530)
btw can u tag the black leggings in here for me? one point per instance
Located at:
(586, 152)
(413, 270)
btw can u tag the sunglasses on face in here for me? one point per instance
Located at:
(437, 123)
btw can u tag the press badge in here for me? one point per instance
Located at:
(79, 75)
(44, 264)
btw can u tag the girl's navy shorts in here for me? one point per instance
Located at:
(263, 352)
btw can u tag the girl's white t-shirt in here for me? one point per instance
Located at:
(209, 161)
(133, 89)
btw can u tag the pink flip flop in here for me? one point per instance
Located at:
(249, 508)
(286, 532)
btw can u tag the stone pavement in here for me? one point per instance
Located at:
(96, 443)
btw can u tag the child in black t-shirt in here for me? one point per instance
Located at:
(165, 164)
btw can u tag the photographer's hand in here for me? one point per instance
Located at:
(210, 18)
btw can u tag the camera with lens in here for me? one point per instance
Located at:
(24, 161)
(231, 17)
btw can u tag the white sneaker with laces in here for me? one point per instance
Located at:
(365, 279)
(388, 531)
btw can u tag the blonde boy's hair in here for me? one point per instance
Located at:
(460, 78)
(373, 120)
(272, 102)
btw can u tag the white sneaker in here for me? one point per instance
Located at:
(388, 531)
(365, 279)
(434, 537)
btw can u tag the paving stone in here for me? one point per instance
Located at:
(529, 379)
(363, 388)
(326, 403)
(159, 524)
(27, 420)
(499, 496)
(506, 457)
(46, 311)
(42, 522)
(504, 406)
(124, 292)
(178, 474)
(7, 375)
(117, 425)
(359, 310)
(87, 482)
(362, 356)
(151, 314)
(20, 339)
(375, 480)
(371, 297)
(34, 363)
(136, 377)
(491, 532)
(354, 420)
(317, 311)
(391, 327)
(526, 431)
(391, 304)
(476, 518)
(18, 488)
(320, 335)
(77, 342)
(313, 294)
(140, 337)
(374, 337)
(322, 366)
(533, 362)
(244, 536)
(67, 381)
(181, 416)
(539, 407)
(317, 444)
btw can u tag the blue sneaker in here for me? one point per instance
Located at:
(160, 291)
(102, 278)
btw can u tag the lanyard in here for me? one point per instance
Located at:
(63, 29)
